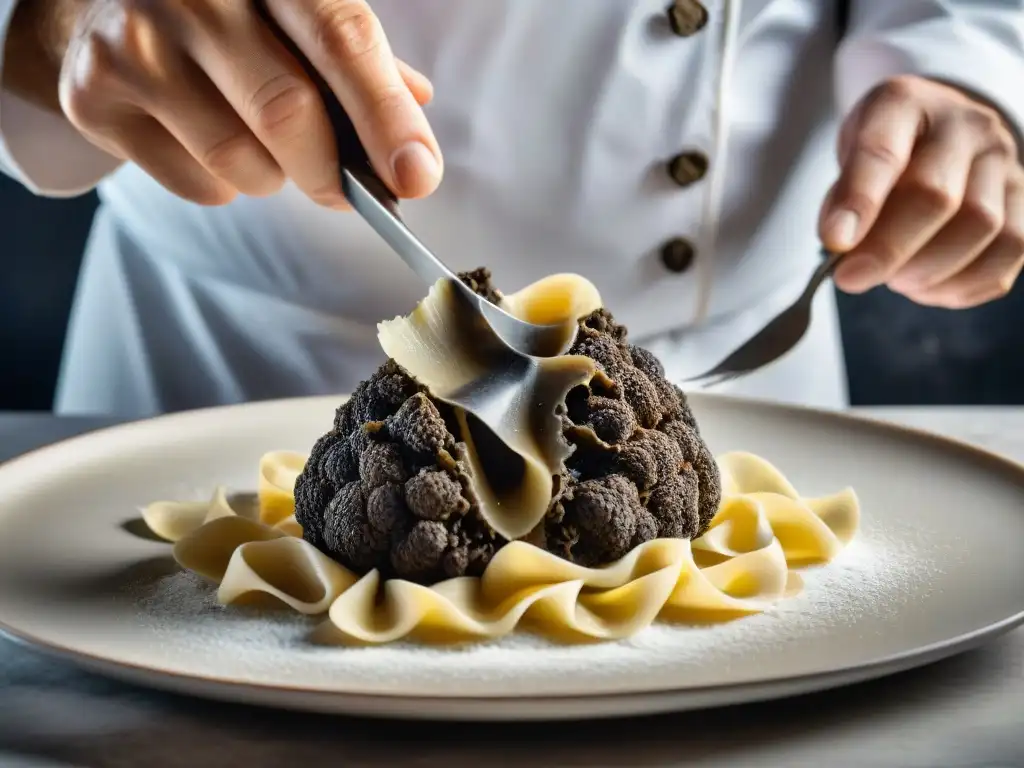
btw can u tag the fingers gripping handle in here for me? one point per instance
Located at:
(352, 157)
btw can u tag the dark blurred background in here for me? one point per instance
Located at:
(897, 353)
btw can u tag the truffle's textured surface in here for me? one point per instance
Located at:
(388, 487)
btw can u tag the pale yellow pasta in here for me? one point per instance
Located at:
(742, 565)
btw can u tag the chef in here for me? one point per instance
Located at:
(689, 159)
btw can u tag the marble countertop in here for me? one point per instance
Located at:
(967, 711)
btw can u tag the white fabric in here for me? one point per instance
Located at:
(556, 120)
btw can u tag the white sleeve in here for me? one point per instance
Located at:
(977, 45)
(41, 149)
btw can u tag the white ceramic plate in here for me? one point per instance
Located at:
(938, 567)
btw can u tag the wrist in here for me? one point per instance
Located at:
(37, 40)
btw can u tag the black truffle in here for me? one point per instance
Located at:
(387, 515)
(612, 420)
(605, 513)
(479, 281)
(388, 487)
(640, 395)
(674, 506)
(697, 455)
(382, 463)
(347, 530)
(376, 398)
(419, 427)
(646, 527)
(646, 362)
(435, 495)
(417, 556)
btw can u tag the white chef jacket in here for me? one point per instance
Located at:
(556, 119)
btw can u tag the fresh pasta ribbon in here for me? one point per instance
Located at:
(741, 566)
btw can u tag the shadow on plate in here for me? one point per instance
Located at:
(137, 527)
(122, 581)
(245, 504)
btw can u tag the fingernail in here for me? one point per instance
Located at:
(415, 169)
(858, 273)
(842, 228)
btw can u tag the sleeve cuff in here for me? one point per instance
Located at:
(951, 51)
(41, 149)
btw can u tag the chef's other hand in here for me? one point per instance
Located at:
(203, 96)
(930, 200)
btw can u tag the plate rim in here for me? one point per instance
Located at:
(862, 671)
(512, 706)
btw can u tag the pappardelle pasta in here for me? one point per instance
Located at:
(747, 560)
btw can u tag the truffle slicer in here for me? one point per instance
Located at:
(378, 205)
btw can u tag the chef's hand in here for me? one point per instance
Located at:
(202, 96)
(930, 200)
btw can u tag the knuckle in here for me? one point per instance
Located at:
(78, 106)
(899, 90)
(986, 121)
(96, 64)
(1005, 143)
(227, 156)
(281, 106)
(83, 92)
(137, 33)
(934, 195)
(982, 217)
(391, 100)
(878, 151)
(1012, 239)
(983, 118)
(347, 30)
(122, 53)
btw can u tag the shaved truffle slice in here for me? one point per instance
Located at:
(389, 487)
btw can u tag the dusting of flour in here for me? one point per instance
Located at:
(855, 602)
